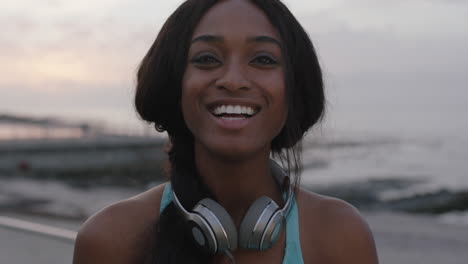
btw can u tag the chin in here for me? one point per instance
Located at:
(235, 151)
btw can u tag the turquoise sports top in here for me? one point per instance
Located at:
(292, 252)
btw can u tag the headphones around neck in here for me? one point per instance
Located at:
(214, 231)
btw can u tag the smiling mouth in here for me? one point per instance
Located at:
(233, 112)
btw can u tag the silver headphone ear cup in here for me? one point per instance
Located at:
(203, 234)
(220, 223)
(272, 231)
(255, 222)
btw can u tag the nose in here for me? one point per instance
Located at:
(233, 77)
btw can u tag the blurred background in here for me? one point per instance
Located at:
(394, 142)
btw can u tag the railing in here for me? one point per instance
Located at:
(38, 229)
(20, 131)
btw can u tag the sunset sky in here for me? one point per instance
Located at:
(78, 58)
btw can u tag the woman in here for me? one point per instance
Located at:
(232, 82)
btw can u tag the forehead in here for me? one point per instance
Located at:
(235, 18)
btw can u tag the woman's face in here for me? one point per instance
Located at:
(233, 90)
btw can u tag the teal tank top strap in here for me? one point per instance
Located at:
(166, 198)
(293, 252)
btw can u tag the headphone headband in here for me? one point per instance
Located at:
(283, 180)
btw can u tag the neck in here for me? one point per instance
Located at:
(236, 184)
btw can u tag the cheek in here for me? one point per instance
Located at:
(190, 88)
(282, 111)
(276, 91)
(192, 94)
(193, 82)
(281, 102)
(188, 97)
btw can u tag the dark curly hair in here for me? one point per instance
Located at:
(158, 96)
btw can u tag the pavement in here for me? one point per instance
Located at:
(400, 238)
(20, 246)
(413, 239)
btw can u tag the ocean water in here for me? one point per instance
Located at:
(439, 162)
(395, 131)
(406, 157)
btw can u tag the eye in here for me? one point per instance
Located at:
(205, 60)
(264, 60)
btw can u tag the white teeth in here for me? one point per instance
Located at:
(234, 109)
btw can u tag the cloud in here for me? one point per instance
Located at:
(72, 54)
(380, 66)
(95, 50)
(406, 18)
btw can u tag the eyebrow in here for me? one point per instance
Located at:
(216, 38)
(264, 39)
(208, 38)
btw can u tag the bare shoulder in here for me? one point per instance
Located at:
(118, 233)
(336, 228)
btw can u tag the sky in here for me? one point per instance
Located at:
(387, 65)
